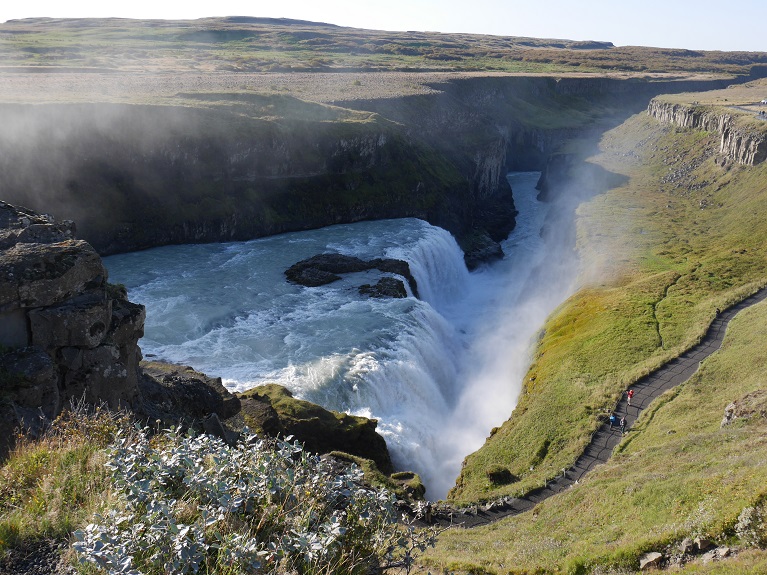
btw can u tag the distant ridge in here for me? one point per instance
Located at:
(275, 21)
(221, 20)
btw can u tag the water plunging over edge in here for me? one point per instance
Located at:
(438, 373)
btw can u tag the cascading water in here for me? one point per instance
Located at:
(427, 369)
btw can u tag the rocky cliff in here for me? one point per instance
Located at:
(64, 333)
(742, 143)
(134, 177)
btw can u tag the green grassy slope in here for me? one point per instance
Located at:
(656, 266)
(660, 253)
(677, 474)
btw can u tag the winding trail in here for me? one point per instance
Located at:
(604, 440)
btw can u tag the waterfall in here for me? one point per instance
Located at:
(437, 372)
(437, 264)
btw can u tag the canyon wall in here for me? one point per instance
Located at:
(134, 177)
(137, 176)
(741, 143)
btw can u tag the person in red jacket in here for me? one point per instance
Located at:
(630, 394)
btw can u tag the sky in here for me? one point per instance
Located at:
(694, 24)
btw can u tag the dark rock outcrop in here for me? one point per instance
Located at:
(68, 336)
(323, 269)
(135, 176)
(179, 392)
(385, 287)
(64, 336)
(273, 410)
(480, 248)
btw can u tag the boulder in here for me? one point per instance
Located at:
(479, 248)
(386, 287)
(651, 560)
(702, 544)
(686, 547)
(20, 225)
(38, 275)
(323, 269)
(176, 392)
(722, 552)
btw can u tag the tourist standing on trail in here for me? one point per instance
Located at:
(623, 425)
(630, 394)
(613, 420)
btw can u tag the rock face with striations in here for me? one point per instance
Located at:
(64, 334)
(740, 144)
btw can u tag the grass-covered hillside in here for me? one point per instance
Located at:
(682, 237)
(243, 44)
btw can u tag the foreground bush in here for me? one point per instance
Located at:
(192, 504)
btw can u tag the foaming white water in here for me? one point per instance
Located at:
(438, 372)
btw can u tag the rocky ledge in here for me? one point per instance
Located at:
(273, 410)
(323, 269)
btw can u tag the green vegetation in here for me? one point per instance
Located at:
(138, 502)
(682, 237)
(677, 474)
(265, 45)
(192, 504)
(656, 266)
(51, 486)
(272, 409)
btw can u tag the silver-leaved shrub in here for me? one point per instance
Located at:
(193, 504)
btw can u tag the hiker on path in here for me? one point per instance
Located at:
(623, 425)
(613, 420)
(630, 394)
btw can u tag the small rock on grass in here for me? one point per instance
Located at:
(650, 560)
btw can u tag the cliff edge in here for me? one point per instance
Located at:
(742, 140)
(65, 333)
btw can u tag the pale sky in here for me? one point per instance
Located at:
(693, 24)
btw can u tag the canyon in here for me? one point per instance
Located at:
(660, 184)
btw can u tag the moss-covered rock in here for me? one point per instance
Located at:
(411, 483)
(319, 429)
